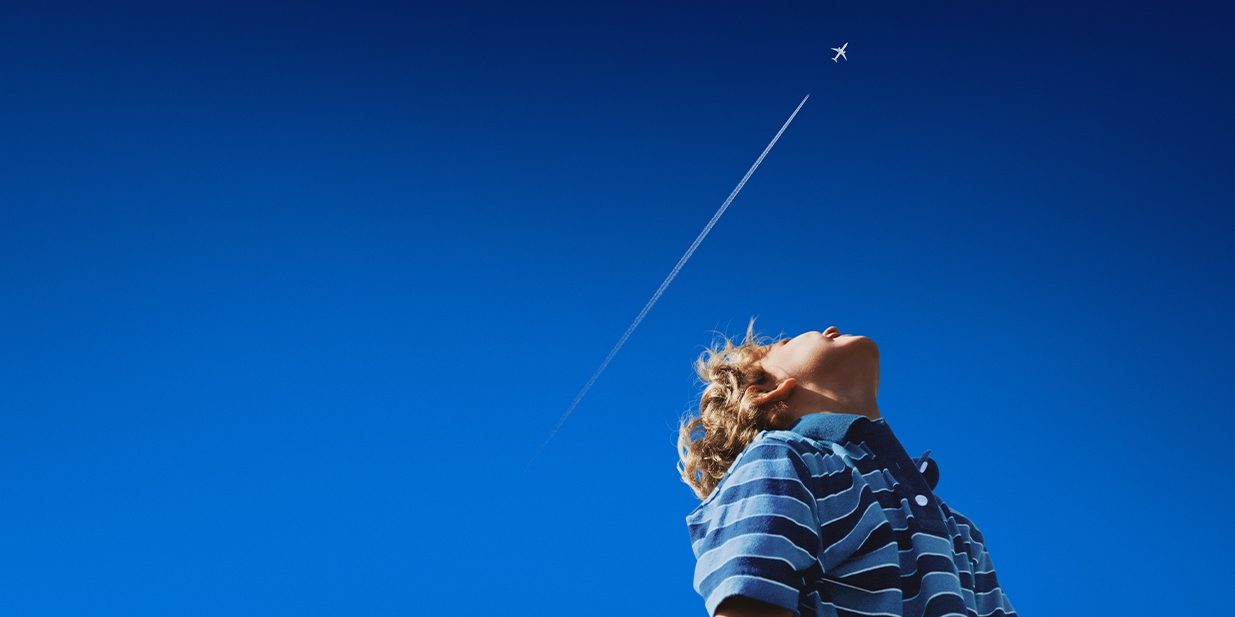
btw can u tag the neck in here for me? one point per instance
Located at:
(813, 399)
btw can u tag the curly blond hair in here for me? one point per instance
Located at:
(727, 421)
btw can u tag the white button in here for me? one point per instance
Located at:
(921, 499)
(923, 467)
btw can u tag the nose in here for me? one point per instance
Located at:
(833, 330)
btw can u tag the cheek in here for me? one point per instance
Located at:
(804, 361)
(825, 355)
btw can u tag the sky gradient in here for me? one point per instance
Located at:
(292, 292)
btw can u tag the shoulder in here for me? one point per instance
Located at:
(819, 455)
(964, 521)
(769, 454)
(773, 460)
(781, 448)
(782, 454)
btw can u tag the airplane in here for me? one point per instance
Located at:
(840, 52)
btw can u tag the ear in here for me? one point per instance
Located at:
(780, 392)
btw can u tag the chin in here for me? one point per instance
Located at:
(865, 341)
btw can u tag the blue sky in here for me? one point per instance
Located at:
(291, 293)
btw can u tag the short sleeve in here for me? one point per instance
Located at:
(758, 533)
(988, 593)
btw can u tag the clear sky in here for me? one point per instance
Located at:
(291, 293)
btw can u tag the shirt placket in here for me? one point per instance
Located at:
(922, 501)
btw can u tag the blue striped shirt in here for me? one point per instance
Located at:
(833, 518)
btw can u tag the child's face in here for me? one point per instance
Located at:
(825, 359)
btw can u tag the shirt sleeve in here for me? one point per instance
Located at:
(759, 532)
(989, 594)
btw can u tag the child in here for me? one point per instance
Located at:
(810, 505)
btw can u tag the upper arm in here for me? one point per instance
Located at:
(987, 588)
(743, 606)
(758, 534)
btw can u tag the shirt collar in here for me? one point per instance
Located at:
(828, 425)
(837, 427)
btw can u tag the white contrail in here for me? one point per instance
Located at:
(668, 279)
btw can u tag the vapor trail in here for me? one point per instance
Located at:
(668, 279)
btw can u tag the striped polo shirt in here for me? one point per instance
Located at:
(833, 518)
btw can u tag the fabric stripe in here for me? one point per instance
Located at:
(822, 525)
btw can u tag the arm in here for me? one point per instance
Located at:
(755, 539)
(742, 606)
(988, 592)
